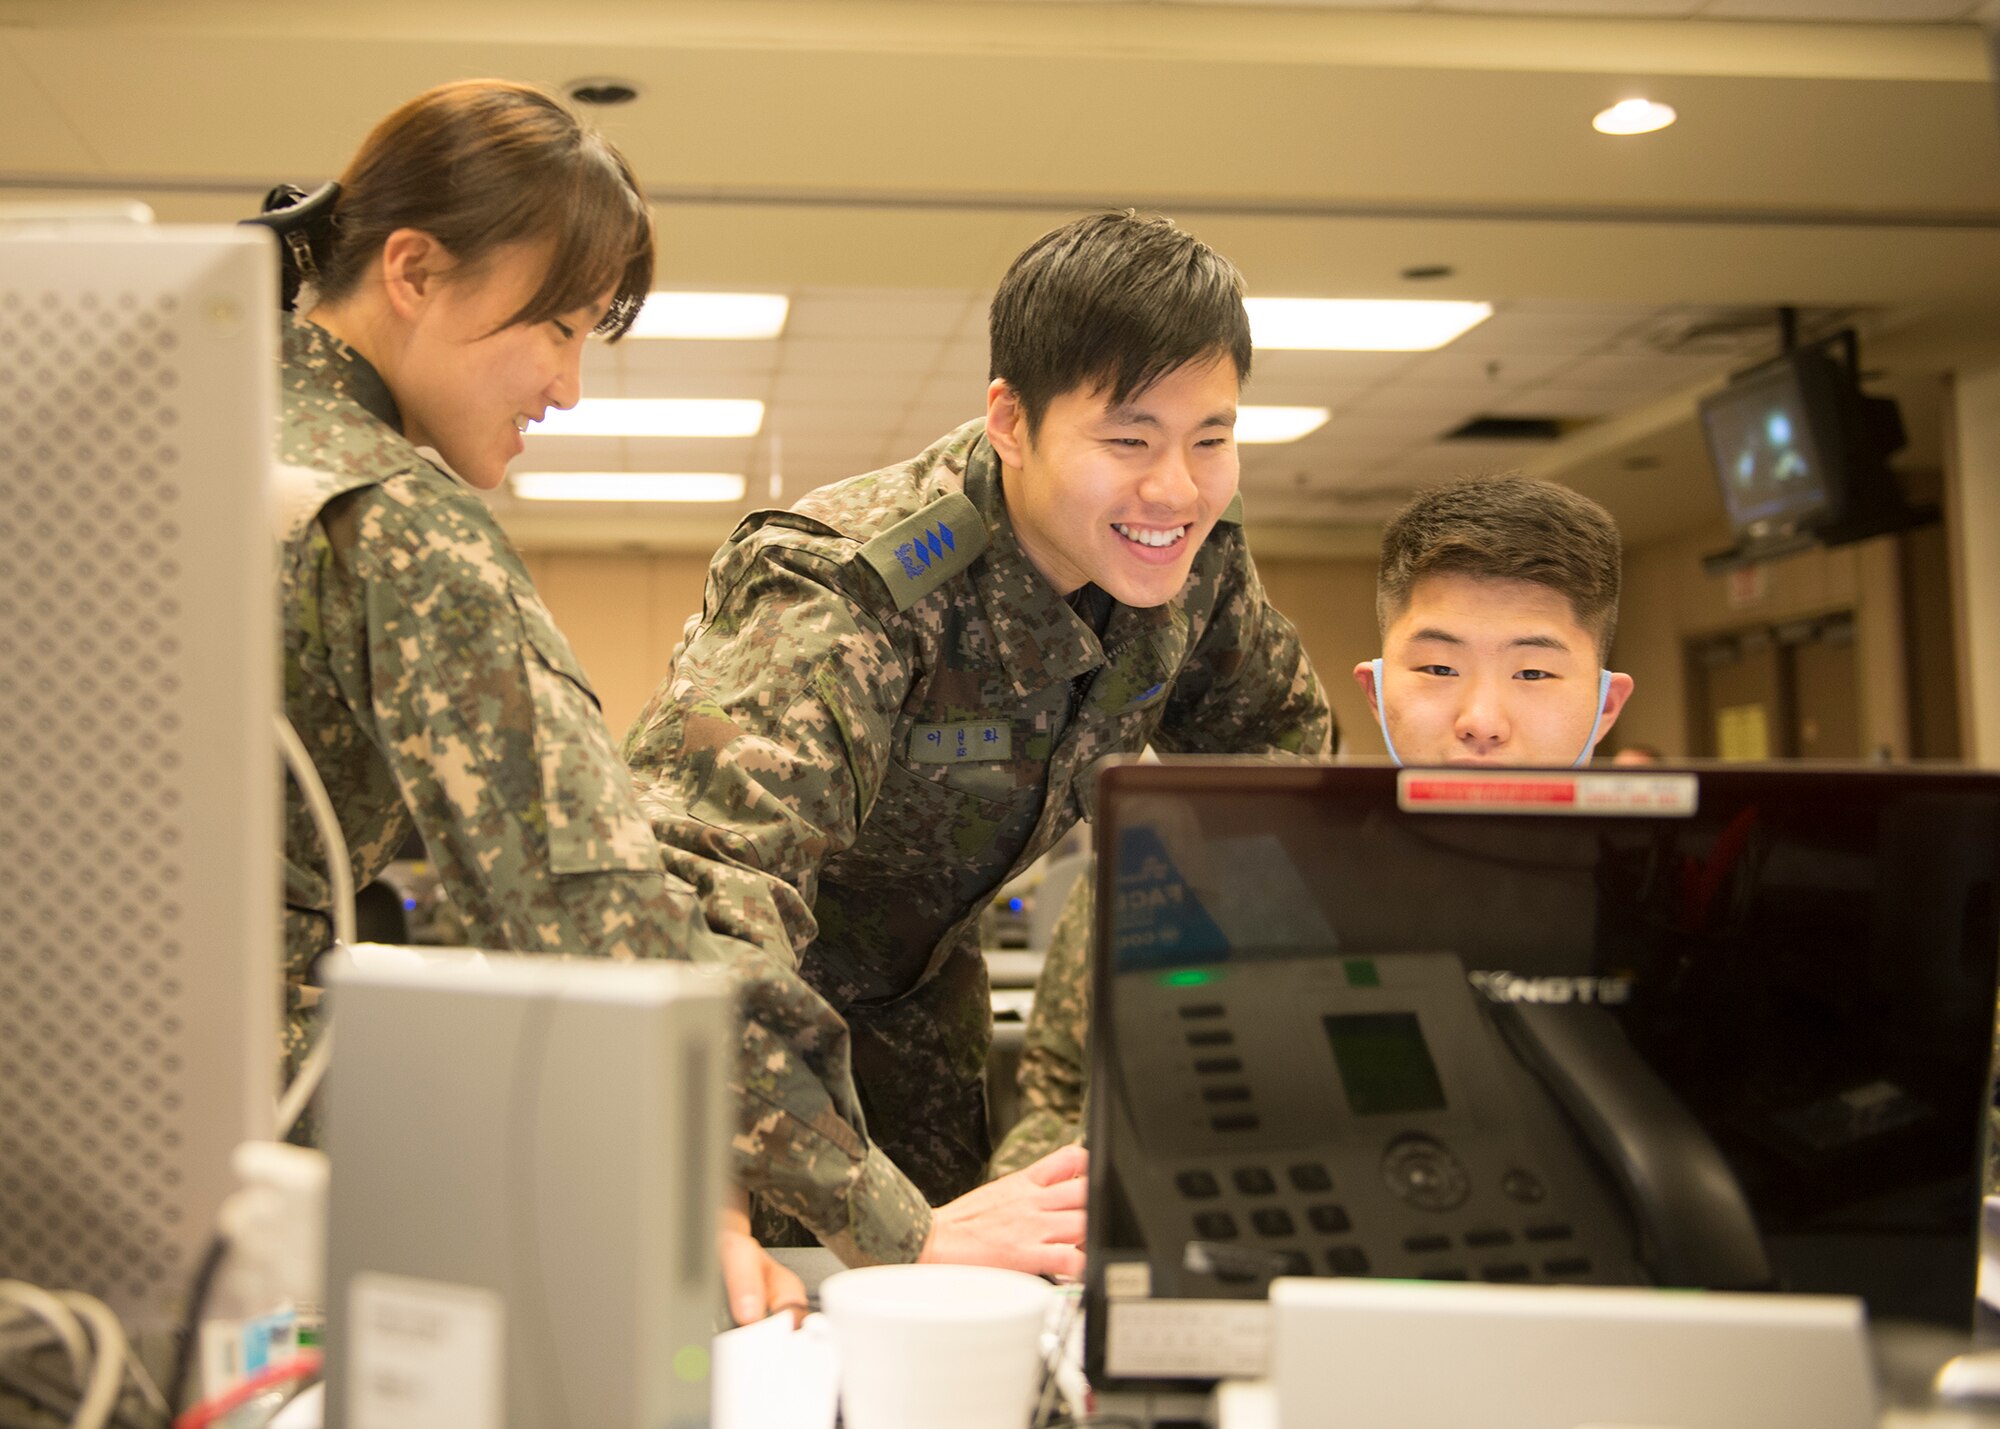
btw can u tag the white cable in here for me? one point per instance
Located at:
(33, 1300)
(339, 872)
(107, 1375)
(340, 890)
(312, 1071)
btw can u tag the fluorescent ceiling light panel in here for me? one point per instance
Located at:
(1634, 116)
(712, 315)
(1277, 424)
(628, 486)
(1360, 324)
(654, 417)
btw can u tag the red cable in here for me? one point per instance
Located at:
(303, 1365)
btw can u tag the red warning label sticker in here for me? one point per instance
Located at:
(1529, 791)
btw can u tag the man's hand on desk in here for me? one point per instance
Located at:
(1032, 1220)
(755, 1284)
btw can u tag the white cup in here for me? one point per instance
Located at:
(928, 1345)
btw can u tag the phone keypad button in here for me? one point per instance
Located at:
(1212, 1066)
(1424, 1173)
(1347, 1260)
(1524, 1186)
(1197, 1185)
(1273, 1222)
(1512, 1270)
(1212, 1037)
(1486, 1238)
(1310, 1178)
(1225, 1094)
(1572, 1265)
(1215, 1225)
(1202, 1010)
(1329, 1220)
(1254, 1181)
(1235, 1121)
(1425, 1244)
(1444, 1275)
(1295, 1263)
(1554, 1230)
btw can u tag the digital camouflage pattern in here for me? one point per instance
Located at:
(430, 683)
(1054, 1071)
(884, 712)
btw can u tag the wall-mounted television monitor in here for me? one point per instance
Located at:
(1799, 448)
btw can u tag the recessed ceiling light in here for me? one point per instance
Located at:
(1360, 324)
(601, 90)
(712, 315)
(1634, 116)
(655, 417)
(628, 486)
(1277, 424)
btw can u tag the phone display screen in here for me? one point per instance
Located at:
(1385, 1067)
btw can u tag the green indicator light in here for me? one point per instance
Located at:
(1361, 973)
(1187, 977)
(691, 1364)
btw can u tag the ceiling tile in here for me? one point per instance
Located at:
(1442, 407)
(1555, 399)
(1442, 461)
(885, 357)
(1338, 369)
(848, 419)
(650, 355)
(1497, 373)
(1550, 327)
(877, 312)
(877, 391)
(1374, 432)
(1641, 375)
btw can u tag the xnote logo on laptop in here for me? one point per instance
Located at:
(1507, 987)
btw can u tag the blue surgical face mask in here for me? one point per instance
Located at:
(1382, 716)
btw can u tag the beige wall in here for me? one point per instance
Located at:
(1974, 512)
(1333, 605)
(623, 613)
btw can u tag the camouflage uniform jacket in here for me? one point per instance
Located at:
(1054, 1072)
(429, 682)
(882, 713)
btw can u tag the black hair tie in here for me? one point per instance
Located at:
(304, 223)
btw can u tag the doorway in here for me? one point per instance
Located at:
(1787, 691)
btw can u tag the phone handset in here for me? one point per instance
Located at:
(1695, 1227)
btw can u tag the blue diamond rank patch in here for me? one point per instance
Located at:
(926, 548)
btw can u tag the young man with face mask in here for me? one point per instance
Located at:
(893, 695)
(1496, 600)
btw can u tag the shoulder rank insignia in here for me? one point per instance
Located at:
(921, 552)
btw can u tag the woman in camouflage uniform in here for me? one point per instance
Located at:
(444, 294)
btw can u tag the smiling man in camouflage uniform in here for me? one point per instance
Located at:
(894, 694)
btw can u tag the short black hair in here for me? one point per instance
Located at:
(1114, 301)
(1506, 528)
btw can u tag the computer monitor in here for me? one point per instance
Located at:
(138, 789)
(1721, 1027)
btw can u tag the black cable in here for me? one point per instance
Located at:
(204, 1282)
